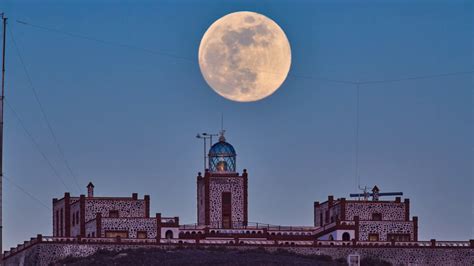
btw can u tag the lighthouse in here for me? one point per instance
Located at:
(222, 197)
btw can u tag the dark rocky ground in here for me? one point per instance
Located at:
(218, 256)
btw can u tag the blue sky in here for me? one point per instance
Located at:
(127, 119)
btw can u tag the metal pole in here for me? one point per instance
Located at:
(1, 130)
(204, 154)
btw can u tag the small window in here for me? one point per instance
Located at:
(93, 234)
(373, 237)
(142, 234)
(113, 214)
(73, 219)
(226, 198)
(376, 216)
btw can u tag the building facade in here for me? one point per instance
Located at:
(109, 217)
(365, 220)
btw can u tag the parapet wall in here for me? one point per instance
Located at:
(45, 253)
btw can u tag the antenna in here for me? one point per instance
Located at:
(203, 137)
(4, 19)
(222, 122)
(357, 177)
(375, 193)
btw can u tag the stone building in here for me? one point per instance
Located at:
(365, 220)
(97, 217)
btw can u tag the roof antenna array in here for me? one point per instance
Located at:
(375, 193)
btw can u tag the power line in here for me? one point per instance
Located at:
(81, 36)
(146, 50)
(154, 52)
(417, 77)
(37, 146)
(30, 81)
(27, 193)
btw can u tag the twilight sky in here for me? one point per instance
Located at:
(127, 118)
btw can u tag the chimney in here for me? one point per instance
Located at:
(90, 190)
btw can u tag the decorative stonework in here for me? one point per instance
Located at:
(125, 207)
(382, 228)
(47, 253)
(131, 225)
(391, 211)
(235, 186)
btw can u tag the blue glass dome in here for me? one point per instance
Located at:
(222, 156)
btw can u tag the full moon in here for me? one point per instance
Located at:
(244, 56)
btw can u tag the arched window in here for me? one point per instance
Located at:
(331, 238)
(169, 234)
(346, 236)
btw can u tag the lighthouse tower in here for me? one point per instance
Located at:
(222, 192)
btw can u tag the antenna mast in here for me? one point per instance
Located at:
(222, 122)
(357, 177)
(4, 20)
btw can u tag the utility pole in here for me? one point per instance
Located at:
(2, 96)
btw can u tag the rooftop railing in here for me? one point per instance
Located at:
(241, 241)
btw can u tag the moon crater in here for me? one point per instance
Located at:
(244, 56)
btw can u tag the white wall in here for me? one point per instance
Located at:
(337, 235)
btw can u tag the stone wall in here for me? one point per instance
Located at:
(46, 253)
(391, 211)
(131, 225)
(382, 228)
(234, 185)
(125, 207)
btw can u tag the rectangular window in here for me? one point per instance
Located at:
(226, 210)
(373, 237)
(73, 219)
(61, 223)
(226, 198)
(121, 234)
(57, 223)
(142, 234)
(398, 237)
(114, 214)
(376, 216)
